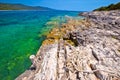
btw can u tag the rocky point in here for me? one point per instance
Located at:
(87, 49)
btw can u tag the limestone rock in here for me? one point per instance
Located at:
(95, 56)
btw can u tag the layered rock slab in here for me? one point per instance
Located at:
(93, 55)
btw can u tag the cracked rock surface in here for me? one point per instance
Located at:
(95, 54)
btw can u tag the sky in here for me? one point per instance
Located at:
(73, 5)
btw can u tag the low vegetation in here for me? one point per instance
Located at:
(110, 7)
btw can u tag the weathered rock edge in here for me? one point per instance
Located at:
(85, 50)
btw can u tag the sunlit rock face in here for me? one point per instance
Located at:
(86, 49)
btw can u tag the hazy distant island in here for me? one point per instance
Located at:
(9, 6)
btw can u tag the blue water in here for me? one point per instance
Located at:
(21, 34)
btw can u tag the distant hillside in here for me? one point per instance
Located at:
(7, 6)
(110, 7)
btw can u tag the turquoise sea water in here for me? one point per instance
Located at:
(21, 34)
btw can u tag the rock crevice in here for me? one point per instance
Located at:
(83, 50)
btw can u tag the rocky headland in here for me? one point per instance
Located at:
(87, 49)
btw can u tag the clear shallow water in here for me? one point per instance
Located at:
(21, 34)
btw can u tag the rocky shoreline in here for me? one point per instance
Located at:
(87, 49)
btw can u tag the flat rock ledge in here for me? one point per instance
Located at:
(86, 49)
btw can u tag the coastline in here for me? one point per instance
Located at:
(80, 49)
(24, 10)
